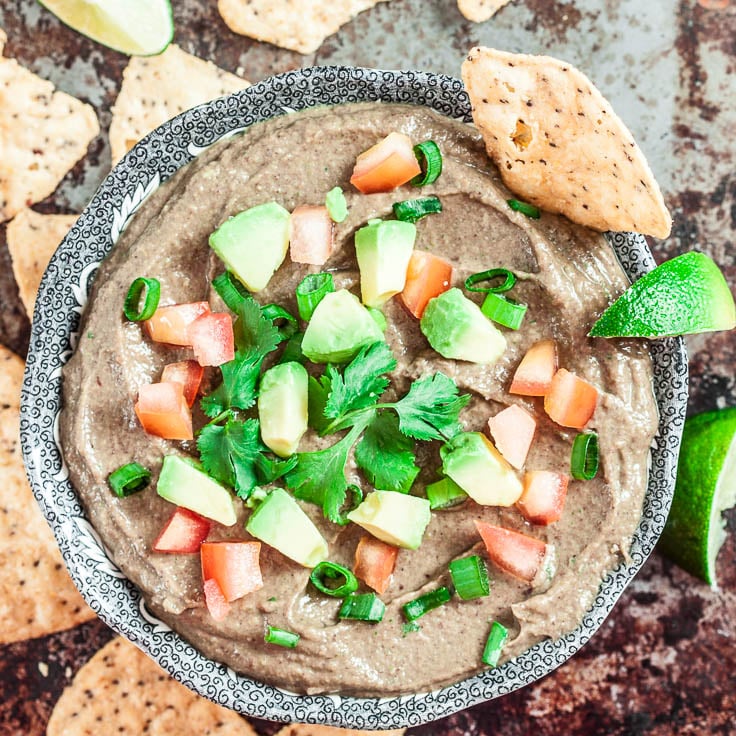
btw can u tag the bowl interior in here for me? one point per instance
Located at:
(61, 301)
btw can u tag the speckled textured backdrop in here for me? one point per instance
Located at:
(665, 661)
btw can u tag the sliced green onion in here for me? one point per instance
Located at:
(412, 210)
(293, 350)
(445, 493)
(430, 159)
(129, 479)
(524, 207)
(378, 317)
(470, 577)
(310, 292)
(353, 498)
(504, 311)
(425, 603)
(494, 644)
(363, 607)
(585, 456)
(509, 279)
(337, 207)
(231, 291)
(281, 637)
(131, 307)
(275, 312)
(410, 628)
(333, 579)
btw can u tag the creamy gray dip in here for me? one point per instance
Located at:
(568, 275)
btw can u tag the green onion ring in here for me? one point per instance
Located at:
(430, 160)
(152, 288)
(585, 456)
(274, 312)
(281, 637)
(494, 644)
(524, 207)
(331, 571)
(412, 210)
(129, 479)
(363, 607)
(231, 291)
(506, 312)
(470, 577)
(426, 603)
(492, 274)
(310, 291)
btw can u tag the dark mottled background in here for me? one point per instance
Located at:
(665, 660)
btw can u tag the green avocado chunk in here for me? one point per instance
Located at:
(395, 518)
(181, 482)
(253, 244)
(458, 330)
(282, 407)
(339, 328)
(281, 523)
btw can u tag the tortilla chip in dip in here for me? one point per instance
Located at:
(559, 144)
(155, 88)
(37, 596)
(32, 240)
(43, 133)
(480, 10)
(279, 22)
(121, 691)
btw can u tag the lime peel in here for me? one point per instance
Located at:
(705, 488)
(685, 295)
(133, 27)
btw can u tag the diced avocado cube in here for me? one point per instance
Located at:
(383, 249)
(253, 244)
(282, 407)
(181, 482)
(395, 518)
(458, 330)
(339, 328)
(281, 523)
(472, 461)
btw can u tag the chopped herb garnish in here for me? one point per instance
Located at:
(494, 644)
(506, 278)
(585, 456)
(505, 312)
(430, 159)
(129, 479)
(150, 291)
(310, 291)
(426, 603)
(524, 207)
(363, 607)
(333, 579)
(412, 210)
(470, 577)
(410, 628)
(281, 637)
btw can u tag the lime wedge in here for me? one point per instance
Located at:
(134, 27)
(706, 486)
(682, 296)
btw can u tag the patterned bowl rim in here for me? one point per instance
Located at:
(61, 301)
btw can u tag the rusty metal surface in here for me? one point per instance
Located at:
(665, 660)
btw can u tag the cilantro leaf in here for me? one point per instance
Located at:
(319, 390)
(362, 382)
(238, 388)
(386, 456)
(430, 409)
(255, 333)
(234, 455)
(319, 477)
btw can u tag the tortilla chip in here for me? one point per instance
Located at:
(32, 240)
(559, 144)
(156, 88)
(480, 10)
(37, 596)
(43, 133)
(302, 729)
(279, 22)
(121, 691)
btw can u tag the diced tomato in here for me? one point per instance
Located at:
(184, 532)
(211, 337)
(188, 373)
(312, 235)
(234, 566)
(543, 497)
(536, 370)
(374, 562)
(571, 401)
(215, 600)
(385, 166)
(513, 431)
(169, 324)
(428, 276)
(515, 553)
(162, 410)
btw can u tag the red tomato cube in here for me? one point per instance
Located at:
(163, 411)
(517, 554)
(385, 166)
(212, 339)
(570, 401)
(428, 276)
(543, 497)
(188, 373)
(170, 324)
(234, 566)
(312, 235)
(184, 533)
(215, 600)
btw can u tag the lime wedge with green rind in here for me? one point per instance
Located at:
(685, 295)
(706, 486)
(134, 27)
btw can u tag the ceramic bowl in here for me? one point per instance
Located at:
(61, 301)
